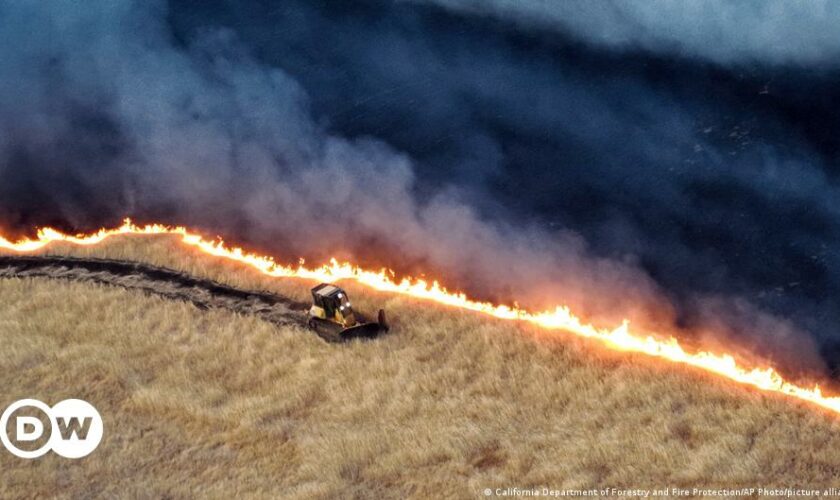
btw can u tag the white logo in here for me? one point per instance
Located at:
(75, 428)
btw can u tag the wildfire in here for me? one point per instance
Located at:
(561, 318)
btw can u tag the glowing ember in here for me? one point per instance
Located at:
(561, 318)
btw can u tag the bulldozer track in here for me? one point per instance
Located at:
(159, 281)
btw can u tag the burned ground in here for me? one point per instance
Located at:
(155, 280)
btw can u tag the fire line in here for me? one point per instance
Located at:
(561, 318)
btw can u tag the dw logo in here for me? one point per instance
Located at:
(75, 428)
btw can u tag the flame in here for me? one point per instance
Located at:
(561, 318)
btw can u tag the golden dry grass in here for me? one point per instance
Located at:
(207, 403)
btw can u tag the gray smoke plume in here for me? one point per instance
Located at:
(775, 31)
(106, 111)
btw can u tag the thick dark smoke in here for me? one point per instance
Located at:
(109, 114)
(518, 162)
(775, 31)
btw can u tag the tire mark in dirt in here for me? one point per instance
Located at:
(160, 281)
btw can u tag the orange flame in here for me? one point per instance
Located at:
(561, 318)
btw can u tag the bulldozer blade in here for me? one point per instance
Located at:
(367, 330)
(332, 332)
(384, 326)
(362, 331)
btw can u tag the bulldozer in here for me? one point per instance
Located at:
(333, 318)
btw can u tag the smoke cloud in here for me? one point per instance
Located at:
(108, 115)
(774, 31)
(515, 164)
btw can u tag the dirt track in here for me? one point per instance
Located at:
(167, 283)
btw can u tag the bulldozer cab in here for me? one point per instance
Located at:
(330, 302)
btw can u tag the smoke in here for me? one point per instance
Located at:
(107, 114)
(773, 31)
(399, 135)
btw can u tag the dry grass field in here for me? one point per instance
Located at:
(213, 404)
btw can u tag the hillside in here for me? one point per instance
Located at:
(208, 402)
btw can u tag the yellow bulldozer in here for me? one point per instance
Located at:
(332, 316)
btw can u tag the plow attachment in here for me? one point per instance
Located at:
(333, 332)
